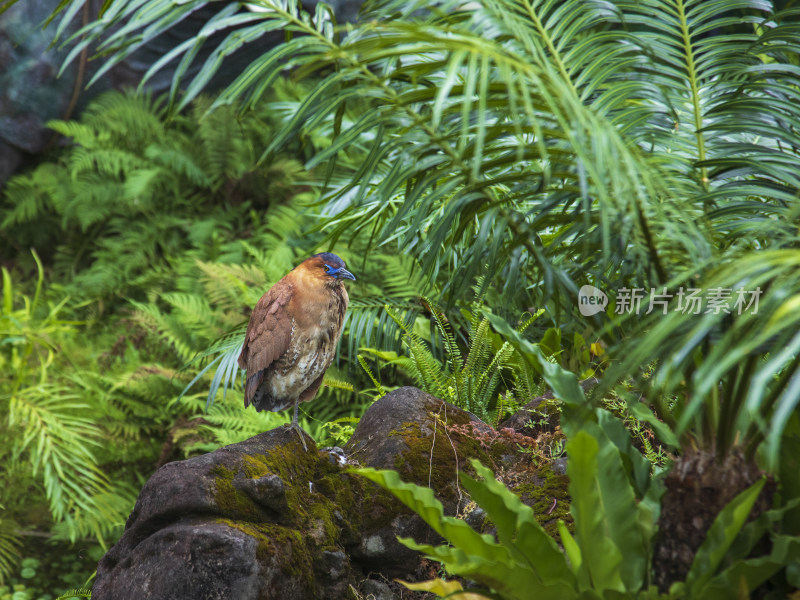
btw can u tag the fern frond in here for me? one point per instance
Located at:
(167, 327)
(55, 436)
(10, 545)
(76, 593)
(453, 351)
(378, 387)
(337, 384)
(369, 324)
(479, 353)
(428, 372)
(232, 286)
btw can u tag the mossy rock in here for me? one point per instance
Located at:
(411, 432)
(264, 518)
(546, 492)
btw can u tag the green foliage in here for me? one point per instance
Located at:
(48, 425)
(615, 512)
(487, 374)
(526, 105)
(733, 377)
(134, 190)
(488, 132)
(653, 447)
(524, 560)
(9, 546)
(472, 380)
(56, 568)
(76, 593)
(550, 143)
(341, 430)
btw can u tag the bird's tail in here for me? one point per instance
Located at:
(251, 388)
(259, 396)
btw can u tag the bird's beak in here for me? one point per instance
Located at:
(345, 274)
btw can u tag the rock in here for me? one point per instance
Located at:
(220, 564)
(265, 519)
(559, 465)
(267, 491)
(405, 430)
(525, 419)
(194, 534)
(30, 92)
(475, 518)
(373, 589)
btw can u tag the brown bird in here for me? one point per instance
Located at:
(292, 334)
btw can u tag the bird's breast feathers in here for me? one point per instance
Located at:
(304, 362)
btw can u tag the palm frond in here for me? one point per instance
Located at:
(736, 357)
(450, 155)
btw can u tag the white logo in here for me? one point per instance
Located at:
(591, 300)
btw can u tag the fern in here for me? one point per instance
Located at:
(379, 389)
(76, 593)
(48, 422)
(427, 371)
(10, 544)
(133, 189)
(486, 380)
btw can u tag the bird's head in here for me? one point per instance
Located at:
(327, 267)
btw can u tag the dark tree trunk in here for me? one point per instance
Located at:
(698, 488)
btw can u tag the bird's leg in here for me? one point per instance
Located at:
(296, 426)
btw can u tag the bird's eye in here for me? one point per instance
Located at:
(327, 268)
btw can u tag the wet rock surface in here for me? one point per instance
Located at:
(264, 519)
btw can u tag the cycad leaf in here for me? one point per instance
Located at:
(720, 537)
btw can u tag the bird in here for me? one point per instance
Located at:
(292, 335)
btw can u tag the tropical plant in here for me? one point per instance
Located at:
(479, 379)
(470, 143)
(615, 506)
(134, 190)
(47, 424)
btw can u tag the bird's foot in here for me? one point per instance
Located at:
(301, 433)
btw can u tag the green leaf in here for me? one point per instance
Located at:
(471, 555)
(517, 529)
(745, 575)
(602, 560)
(720, 537)
(8, 293)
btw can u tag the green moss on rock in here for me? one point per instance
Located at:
(546, 492)
(281, 546)
(232, 501)
(434, 460)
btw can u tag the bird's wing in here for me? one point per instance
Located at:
(268, 336)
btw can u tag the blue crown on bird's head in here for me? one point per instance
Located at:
(333, 265)
(331, 259)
